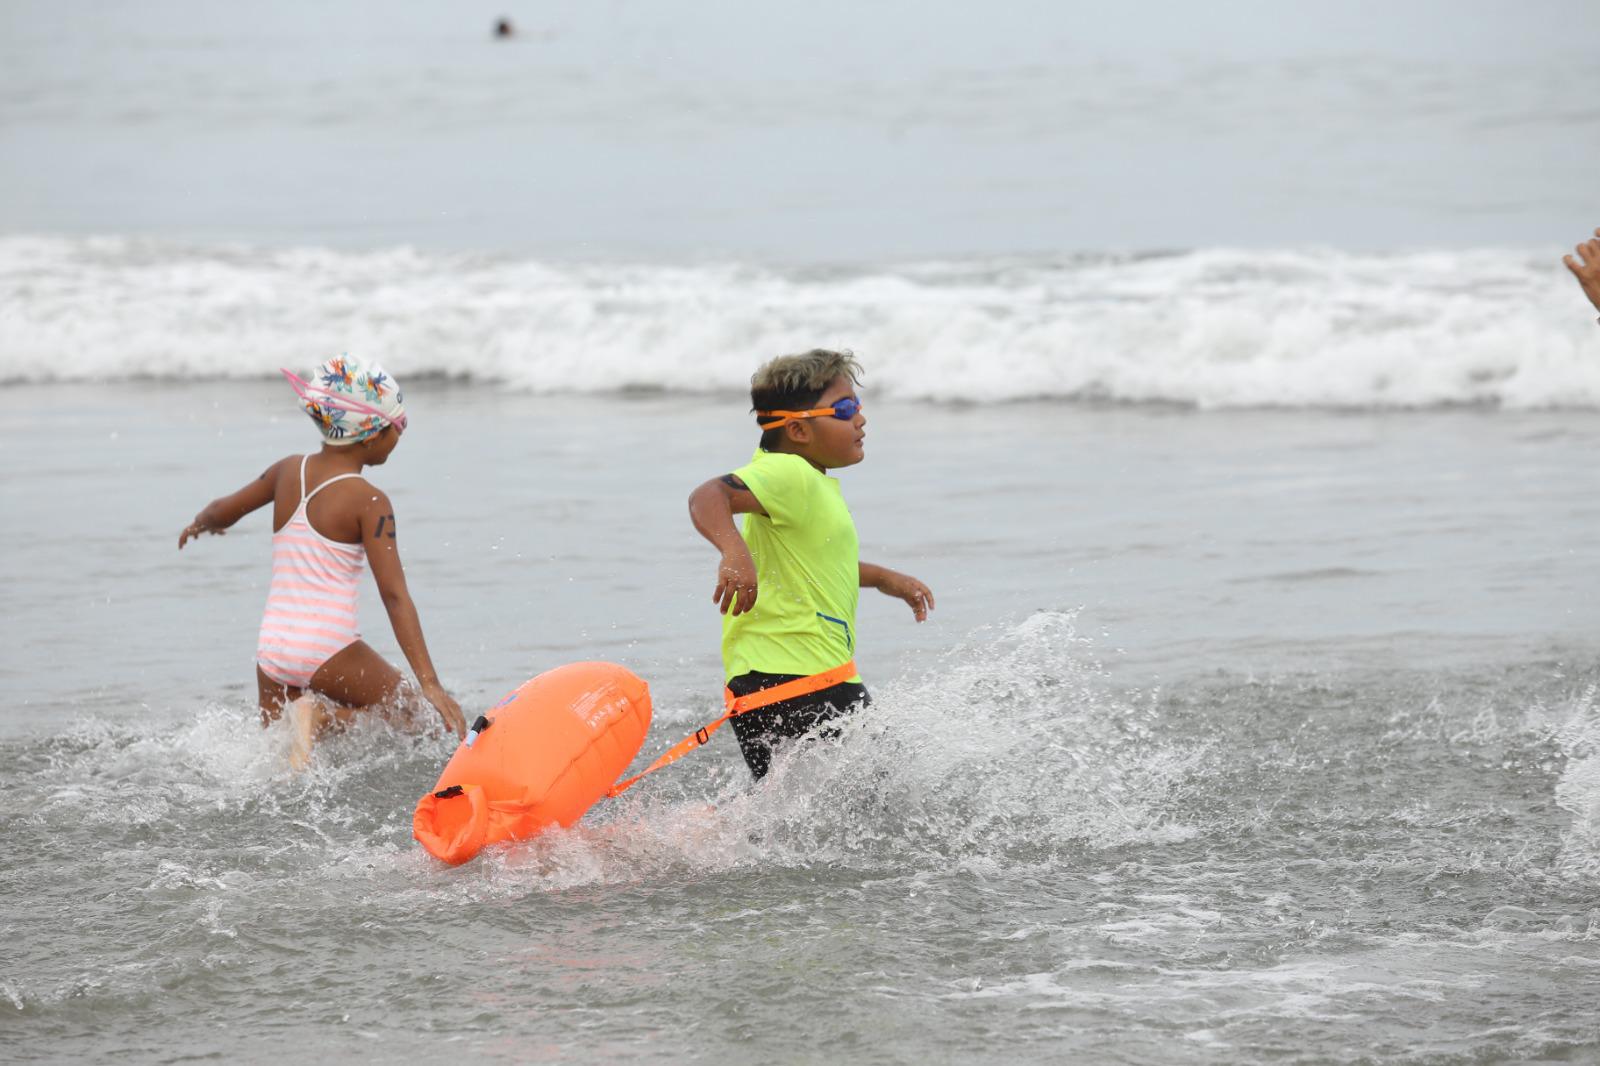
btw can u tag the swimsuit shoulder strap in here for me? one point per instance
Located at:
(325, 484)
(303, 459)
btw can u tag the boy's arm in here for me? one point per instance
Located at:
(711, 509)
(1586, 268)
(378, 536)
(216, 516)
(901, 586)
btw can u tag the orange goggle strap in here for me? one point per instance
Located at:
(737, 705)
(785, 417)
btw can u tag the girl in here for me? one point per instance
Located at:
(326, 521)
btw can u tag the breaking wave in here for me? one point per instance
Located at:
(1211, 328)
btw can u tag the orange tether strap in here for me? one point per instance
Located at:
(737, 705)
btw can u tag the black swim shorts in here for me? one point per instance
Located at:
(762, 730)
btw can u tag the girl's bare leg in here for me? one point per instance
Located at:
(307, 718)
(301, 708)
(272, 696)
(355, 679)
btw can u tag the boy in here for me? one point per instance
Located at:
(787, 588)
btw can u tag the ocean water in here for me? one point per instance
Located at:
(1222, 380)
(1236, 736)
(831, 132)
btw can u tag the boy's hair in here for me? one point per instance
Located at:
(796, 383)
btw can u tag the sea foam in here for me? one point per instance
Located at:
(1213, 328)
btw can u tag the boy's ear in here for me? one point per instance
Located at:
(799, 431)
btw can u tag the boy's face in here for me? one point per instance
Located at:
(831, 442)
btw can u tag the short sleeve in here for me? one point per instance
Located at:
(782, 483)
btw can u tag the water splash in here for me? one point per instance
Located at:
(1009, 752)
(1012, 749)
(1578, 791)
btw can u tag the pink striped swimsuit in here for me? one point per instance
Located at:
(311, 603)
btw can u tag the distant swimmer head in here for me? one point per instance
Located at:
(794, 389)
(351, 401)
(503, 28)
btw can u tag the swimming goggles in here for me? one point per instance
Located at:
(844, 410)
(316, 394)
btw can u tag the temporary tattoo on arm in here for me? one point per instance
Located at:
(732, 481)
(388, 518)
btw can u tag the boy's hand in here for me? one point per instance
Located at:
(1586, 268)
(448, 708)
(736, 581)
(905, 587)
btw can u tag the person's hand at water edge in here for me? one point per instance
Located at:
(449, 710)
(1585, 266)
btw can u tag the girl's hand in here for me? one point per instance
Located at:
(736, 581)
(448, 708)
(1585, 266)
(905, 587)
(193, 530)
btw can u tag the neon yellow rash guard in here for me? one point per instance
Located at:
(808, 573)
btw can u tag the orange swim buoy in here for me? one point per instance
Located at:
(540, 757)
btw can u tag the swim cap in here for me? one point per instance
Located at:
(349, 400)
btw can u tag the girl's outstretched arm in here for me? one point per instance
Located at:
(216, 516)
(379, 537)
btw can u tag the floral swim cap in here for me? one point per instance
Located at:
(350, 400)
